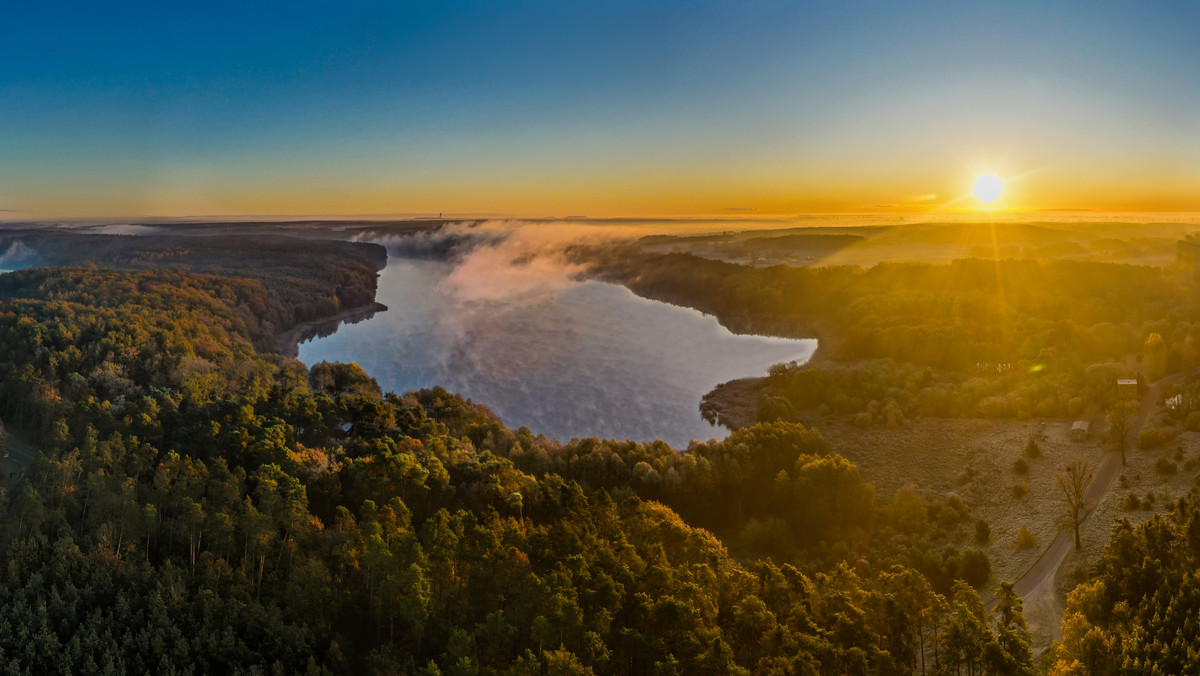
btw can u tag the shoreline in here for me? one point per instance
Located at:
(289, 341)
(731, 404)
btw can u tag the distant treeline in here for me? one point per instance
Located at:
(972, 337)
(817, 243)
(302, 280)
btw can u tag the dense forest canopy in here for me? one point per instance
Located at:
(202, 506)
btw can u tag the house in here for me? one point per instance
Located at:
(1079, 431)
(1127, 388)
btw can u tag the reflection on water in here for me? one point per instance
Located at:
(325, 329)
(574, 360)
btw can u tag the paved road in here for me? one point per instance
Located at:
(1104, 475)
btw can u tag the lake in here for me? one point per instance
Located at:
(562, 357)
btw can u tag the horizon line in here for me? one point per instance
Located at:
(10, 216)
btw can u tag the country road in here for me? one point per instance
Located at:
(16, 456)
(1047, 565)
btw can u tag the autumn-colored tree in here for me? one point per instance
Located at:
(1154, 357)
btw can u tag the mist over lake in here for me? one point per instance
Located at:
(564, 358)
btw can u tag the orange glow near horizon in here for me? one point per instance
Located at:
(772, 190)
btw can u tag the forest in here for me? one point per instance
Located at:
(200, 504)
(301, 280)
(1138, 613)
(1005, 338)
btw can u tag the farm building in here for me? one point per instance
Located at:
(1079, 431)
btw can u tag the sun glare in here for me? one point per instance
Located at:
(988, 187)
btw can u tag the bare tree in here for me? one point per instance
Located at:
(1121, 417)
(1073, 483)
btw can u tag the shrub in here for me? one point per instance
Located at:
(1165, 467)
(1020, 490)
(1025, 539)
(1193, 421)
(976, 568)
(1075, 406)
(1130, 503)
(947, 512)
(1020, 466)
(907, 511)
(983, 532)
(773, 409)
(893, 415)
(954, 503)
(1152, 438)
(1032, 450)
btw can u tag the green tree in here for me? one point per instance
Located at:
(1012, 634)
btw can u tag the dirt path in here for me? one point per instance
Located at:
(1036, 585)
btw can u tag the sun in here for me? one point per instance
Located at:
(988, 188)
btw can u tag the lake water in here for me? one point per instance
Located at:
(568, 359)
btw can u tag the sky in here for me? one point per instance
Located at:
(601, 109)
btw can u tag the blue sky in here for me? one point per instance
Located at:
(595, 108)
